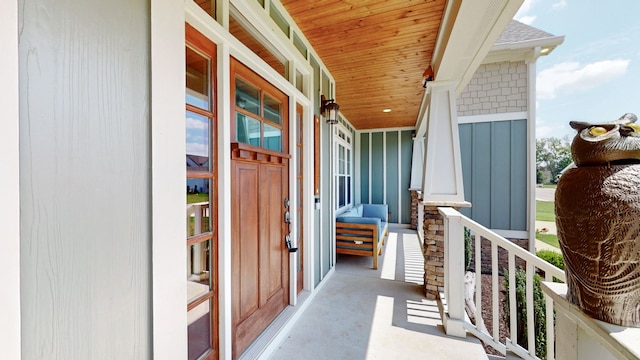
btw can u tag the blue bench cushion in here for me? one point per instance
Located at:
(376, 210)
(356, 211)
(358, 220)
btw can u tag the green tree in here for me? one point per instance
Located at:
(552, 155)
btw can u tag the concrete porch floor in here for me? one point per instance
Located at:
(361, 313)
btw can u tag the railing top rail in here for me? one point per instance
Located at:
(504, 243)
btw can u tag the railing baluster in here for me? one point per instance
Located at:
(495, 288)
(478, 256)
(512, 299)
(531, 346)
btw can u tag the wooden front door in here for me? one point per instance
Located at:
(260, 188)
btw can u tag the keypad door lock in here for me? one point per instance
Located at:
(287, 240)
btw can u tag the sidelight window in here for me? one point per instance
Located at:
(343, 167)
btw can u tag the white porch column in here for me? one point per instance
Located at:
(442, 177)
(417, 162)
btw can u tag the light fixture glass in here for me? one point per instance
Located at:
(386, 110)
(329, 108)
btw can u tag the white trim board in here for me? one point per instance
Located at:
(470, 119)
(512, 234)
(168, 174)
(10, 340)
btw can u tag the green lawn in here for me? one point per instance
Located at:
(545, 211)
(550, 239)
(196, 198)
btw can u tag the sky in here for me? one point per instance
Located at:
(594, 75)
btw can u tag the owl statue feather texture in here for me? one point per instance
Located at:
(597, 207)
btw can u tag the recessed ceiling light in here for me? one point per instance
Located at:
(386, 110)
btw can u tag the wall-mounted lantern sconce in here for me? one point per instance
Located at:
(329, 109)
(427, 76)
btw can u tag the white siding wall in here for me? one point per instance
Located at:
(85, 179)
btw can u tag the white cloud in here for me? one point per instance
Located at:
(198, 124)
(525, 7)
(197, 149)
(529, 19)
(544, 131)
(572, 76)
(523, 13)
(560, 4)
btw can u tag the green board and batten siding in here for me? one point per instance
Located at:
(385, 171)
(494, 168)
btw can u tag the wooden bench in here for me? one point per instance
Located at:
(359, 239)
(363, 236)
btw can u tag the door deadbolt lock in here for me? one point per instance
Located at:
(287, 217)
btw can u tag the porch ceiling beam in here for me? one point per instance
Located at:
(468, 31)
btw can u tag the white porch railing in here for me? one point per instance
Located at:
(455, 320)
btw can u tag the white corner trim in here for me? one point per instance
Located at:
(514, 234)
(10, 340)
(470, 119)
(531, 154)
(168, 174)
(225, 307)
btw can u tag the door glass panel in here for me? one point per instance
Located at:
(247, 130)
(272, 109)
(247, 96)
(341, 191)
(199, 330)
(299, 81)
(197, 72)
(197, 131)
(198, 270)
(272, 138)
(198, 210)
(299, 156)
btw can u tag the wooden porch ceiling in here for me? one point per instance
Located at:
(376, 50)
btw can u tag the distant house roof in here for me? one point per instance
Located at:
(521, 41)
(196, 162)
(519, 32)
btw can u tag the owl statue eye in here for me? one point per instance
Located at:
(635, 127)
(597, 131)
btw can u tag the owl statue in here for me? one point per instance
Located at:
(597, 207)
